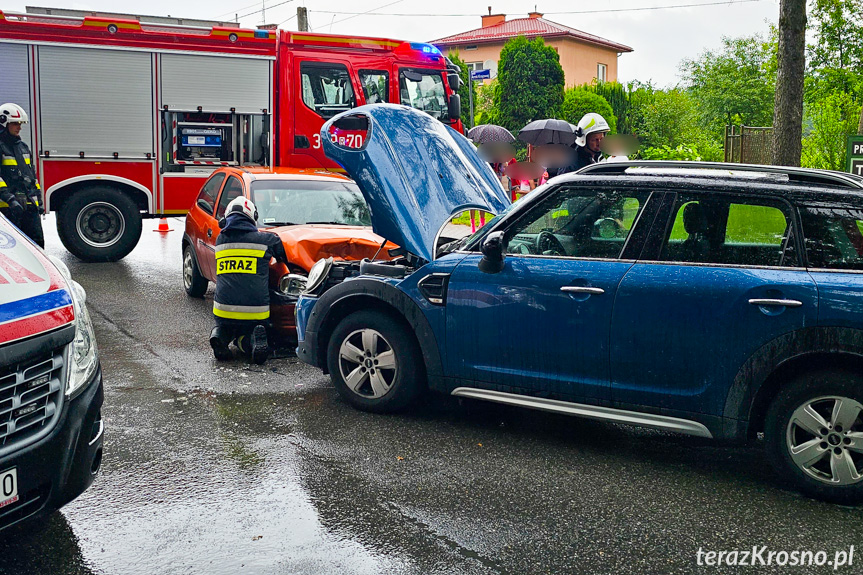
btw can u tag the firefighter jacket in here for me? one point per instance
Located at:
(242, 271)
(17, 178)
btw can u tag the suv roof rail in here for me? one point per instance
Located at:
(804, 175)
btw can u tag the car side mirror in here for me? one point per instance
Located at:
(454, 107)
(492, 253)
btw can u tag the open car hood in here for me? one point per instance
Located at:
(414, 172)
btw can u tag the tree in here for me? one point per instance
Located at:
(835, 59)
(788, 103)
(487, 104)
(734, 85)
(465, 90)
(531, 82)
(577, 102)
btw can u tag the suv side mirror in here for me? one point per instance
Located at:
(454, 107)
(492, 253)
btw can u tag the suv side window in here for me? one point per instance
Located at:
(233, 189)
(730, 230)
(207, 197)
(833, 237)
(327, 88)
(376, 85)
(578, 223)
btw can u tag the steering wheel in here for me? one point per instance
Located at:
(548, 242)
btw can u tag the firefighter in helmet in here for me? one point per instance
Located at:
(20, 194)
(242, 301)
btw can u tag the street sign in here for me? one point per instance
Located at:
(480, 74)
(855, 155)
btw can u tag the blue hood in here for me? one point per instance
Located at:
(414, 172)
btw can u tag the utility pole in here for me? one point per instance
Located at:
(263, 12)
(302, 19)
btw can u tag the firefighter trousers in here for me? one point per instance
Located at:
(29, 223)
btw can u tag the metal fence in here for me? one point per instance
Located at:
(748, 144)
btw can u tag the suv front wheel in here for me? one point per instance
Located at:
(814, 433)
(374, 362)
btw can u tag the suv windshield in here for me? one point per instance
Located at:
(288, 202)
(423, 90)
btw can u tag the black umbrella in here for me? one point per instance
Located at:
(490, 134)
(548, 131)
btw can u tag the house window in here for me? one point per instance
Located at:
(601, 70)
(474, 66)
(470, 47)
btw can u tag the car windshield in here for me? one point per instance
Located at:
(289, 202)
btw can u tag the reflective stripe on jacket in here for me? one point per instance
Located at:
(17, 172)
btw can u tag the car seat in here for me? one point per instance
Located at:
(696, 247)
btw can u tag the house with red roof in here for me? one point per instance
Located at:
(584, 57)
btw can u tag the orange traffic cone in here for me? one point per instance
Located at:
(163, 226)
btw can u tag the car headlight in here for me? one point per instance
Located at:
(83, 357)
(318, 274)
(292, 284)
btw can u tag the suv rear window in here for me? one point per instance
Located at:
(733, 231)
(833, 237)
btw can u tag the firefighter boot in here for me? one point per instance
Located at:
(220, 345)
(260, 349)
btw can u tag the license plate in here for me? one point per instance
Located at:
(8, 487)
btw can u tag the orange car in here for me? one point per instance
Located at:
(317, 214)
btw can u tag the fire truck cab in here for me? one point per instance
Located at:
(129, 118)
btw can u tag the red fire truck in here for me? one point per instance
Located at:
(129, 118)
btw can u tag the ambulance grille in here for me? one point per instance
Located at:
(31, 398)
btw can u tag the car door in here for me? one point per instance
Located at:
(233, 188)
(326, 89)
(542, 322)
(204, 222)
(714, 285)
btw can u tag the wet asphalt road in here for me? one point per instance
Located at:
(234, 468)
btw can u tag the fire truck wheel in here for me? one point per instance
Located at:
(99, 224)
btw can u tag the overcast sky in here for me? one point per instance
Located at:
(660, 37)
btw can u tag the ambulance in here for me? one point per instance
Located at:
(51, 428)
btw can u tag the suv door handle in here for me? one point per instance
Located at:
(583, 289)
(210, 232)
(776, 302)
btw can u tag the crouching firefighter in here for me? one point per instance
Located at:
(20, 194)
(242, 300)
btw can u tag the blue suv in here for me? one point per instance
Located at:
(716, 301)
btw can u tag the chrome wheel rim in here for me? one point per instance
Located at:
(100, 224)
(367, 363)
(825, 439)
(187, 268)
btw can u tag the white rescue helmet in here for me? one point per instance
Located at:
(12, 113)
(243, 206)
(589, 124)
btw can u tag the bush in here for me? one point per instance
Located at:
(577, 102)
(681, 152)
(828, 123)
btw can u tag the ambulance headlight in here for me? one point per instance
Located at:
(318, 275)
(292, 284)
(83, 360)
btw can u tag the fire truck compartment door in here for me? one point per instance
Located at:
(96, 101)
(15, 83)
(216, 83)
